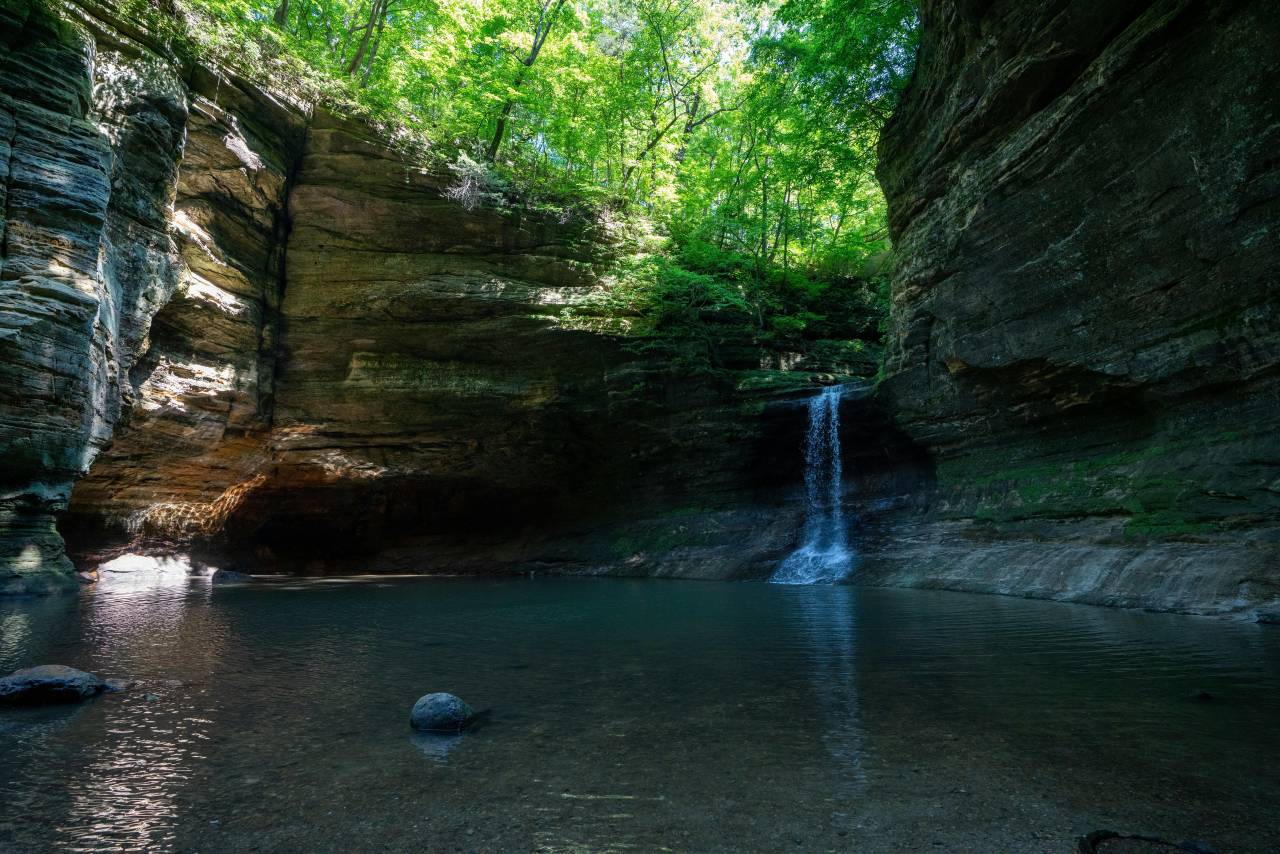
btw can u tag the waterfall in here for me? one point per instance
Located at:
(823, 556)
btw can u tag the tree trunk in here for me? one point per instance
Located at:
(282, 14)
(375, 15)
(763, 252)
(501, 130)
(373, 51)
(542, 29)
(689, 125)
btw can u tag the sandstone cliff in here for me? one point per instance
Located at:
(88, 155)
(245, 328)
(1084, 203)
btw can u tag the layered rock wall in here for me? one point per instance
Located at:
(196, 438)
(436, 410)
(1085, 203)
(243, 328)
(89, 144)
(259, 334)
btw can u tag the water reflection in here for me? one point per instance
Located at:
(15, 634)
(436, 746)
(110, 775)
(135, 573)
(829, 618)
(632, 715)
(125, 794)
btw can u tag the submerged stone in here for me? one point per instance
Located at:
(230, 576)
(51, 683)
(440, 712)
(1111, 842)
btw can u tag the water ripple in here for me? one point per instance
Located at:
(627, 715)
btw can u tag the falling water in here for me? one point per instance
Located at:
(823, 556)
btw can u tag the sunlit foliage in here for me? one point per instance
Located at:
(743, 131)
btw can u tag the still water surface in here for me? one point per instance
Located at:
(634, 716)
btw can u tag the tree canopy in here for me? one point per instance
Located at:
(743, 130)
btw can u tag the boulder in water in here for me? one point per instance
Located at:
(230, 576)
(51, 683)
(440, 712)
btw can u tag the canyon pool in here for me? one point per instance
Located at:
(633, 716)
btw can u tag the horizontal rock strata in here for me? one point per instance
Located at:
(89, 144)
(252, 331)
(1084, 199)
(275, 342)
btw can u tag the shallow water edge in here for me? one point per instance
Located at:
(633, 715)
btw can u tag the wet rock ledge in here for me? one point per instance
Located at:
(1085, 201)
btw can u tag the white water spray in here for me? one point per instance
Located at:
(823, 556)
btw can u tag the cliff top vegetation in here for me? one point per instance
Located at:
(741, 132)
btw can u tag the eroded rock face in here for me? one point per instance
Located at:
(282, 346)
(268, 337)
(1086, 330)
(142, 267)
(434, 412)
(197, 437)
(423, 385)
(89, 146)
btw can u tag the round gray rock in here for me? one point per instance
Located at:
(50, 683)
(440, 713)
